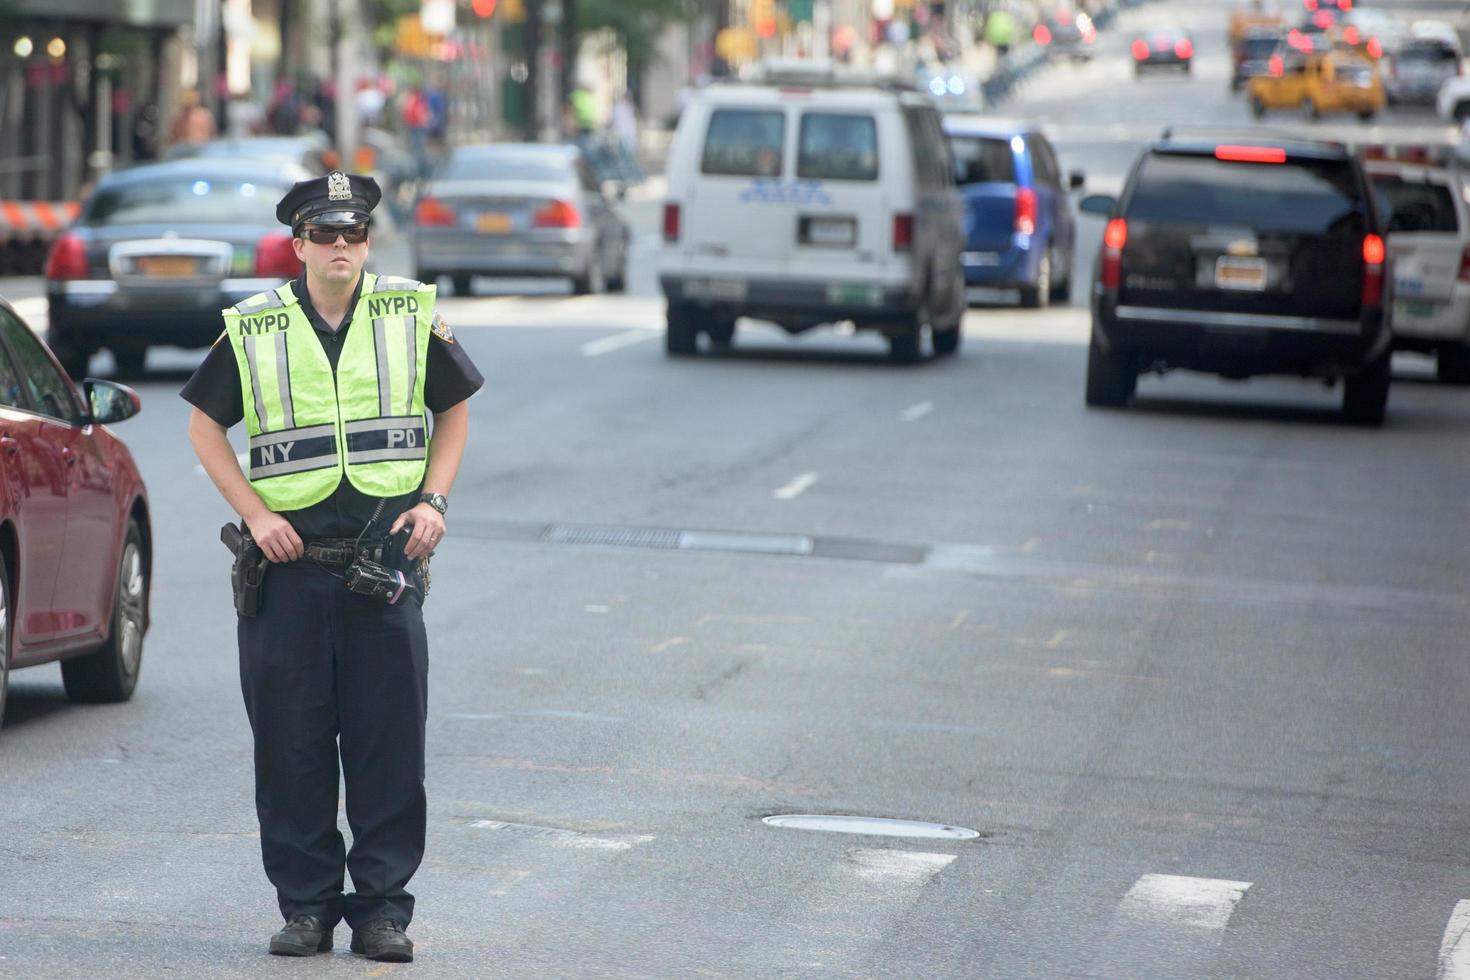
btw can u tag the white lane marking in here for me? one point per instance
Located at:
(1454, 949)
(907, 868)
(1206, 903)
(560, 837)
(795, 488)
(596, 348)
(534, 713)
(918, 411)
(598, 609)
(465, 716)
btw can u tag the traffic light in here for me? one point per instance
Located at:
(483, 8)
(763, 17)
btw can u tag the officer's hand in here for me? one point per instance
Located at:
(276, 537)
(428, 530)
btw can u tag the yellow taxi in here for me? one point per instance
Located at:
(1317, 84)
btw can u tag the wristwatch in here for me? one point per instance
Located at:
(435, 500)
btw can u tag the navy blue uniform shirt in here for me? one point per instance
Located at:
(449, 378)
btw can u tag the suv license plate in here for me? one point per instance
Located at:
(1233, 272)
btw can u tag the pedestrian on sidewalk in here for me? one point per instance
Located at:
(335, 375)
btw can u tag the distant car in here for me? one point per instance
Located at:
(1421, 66)
(1245, 20)
(1019, 229)
(76, 541)
(1163, 47)
(1239, 259)
(518, 210)
(311, 151)
(1453, 101)
(811, 195)
(1252, 56)
(158, 250)
(1429, 242)
(1317, 85)
(1067, 33)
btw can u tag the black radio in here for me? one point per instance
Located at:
(369, 578)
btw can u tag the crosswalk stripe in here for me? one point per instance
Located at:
(1454, 949)
(1202, 902)
(1167, 927)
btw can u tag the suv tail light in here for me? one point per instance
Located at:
(434, 213)
(67, 259)
(903, 232)
(1465, 266)
(275, 258)
(1115, 236)
(1183, 50)
(1025, 211)
(1042, 35)
(1373, 255)
(671, 222)
(558, 214)
(1140, 50)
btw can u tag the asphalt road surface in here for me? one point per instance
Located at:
(1195, 671)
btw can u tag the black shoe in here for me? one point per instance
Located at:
(383, 941)
(304, 935)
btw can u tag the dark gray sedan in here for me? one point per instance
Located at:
(157, 251)
(519, 210)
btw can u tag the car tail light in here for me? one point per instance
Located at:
(1025, 211)
(1373, 256)
(671, 222)
(1351, 35)
(1115, 236)
(1183, 50)
(1251, 154)
(1465, 266)
(1140, 50)
(558, 214)
(67, 259)
(1042, 35)
(903, 232)
(275, 258)
(1277, 66)
(1311, 5)
(1375, 48)
(433, 213)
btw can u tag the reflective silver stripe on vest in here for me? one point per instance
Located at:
(396, 284)
(388, 438)
(277, 342)
(385, 377)
(265, 301)
(411, 333)
(311, 447)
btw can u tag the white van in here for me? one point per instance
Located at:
(813, 196)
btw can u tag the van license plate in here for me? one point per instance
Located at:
(831, 232)
(1234, 272)
(729, 290)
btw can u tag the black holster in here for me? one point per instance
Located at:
(247, 575)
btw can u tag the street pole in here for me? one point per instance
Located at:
(345, 23)
(532, 123)
(569, 50)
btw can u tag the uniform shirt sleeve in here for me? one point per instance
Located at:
(449, 375)
(215, 387)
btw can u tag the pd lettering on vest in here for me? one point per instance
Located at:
(278, 453)
(408, 438)
(393, 306)
(265, 323)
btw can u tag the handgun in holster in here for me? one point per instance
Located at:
(247, 575)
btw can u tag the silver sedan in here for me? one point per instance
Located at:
(518, 210)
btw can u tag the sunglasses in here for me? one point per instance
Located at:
(352, 235)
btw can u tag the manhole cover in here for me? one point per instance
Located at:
(874, 826)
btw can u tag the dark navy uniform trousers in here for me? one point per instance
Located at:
(327, 672)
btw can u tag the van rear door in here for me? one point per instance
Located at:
(843, 224)
(734, 207)
(1426, 240)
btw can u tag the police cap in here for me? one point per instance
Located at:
(336, 200)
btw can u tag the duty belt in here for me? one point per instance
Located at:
(342, 551)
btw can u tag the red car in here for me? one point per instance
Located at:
(75, 541)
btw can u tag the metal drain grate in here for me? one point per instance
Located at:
(615, 537)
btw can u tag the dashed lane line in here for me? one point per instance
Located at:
(596, 348)
(916, 412)
(795, 488)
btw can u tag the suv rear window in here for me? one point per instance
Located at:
(1410, 205)
(836, 146)
(744, 143)
(983, 160)
(1310, 197)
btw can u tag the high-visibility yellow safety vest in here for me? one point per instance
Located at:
(308, 428)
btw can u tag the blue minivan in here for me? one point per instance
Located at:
(1019, 229)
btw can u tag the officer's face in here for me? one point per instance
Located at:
(337, 262)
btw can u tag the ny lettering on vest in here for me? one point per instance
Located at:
(265, 323)
(279, 453)
(403, 437)
(392, 306)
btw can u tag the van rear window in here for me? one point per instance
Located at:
(983, 160)
(837, 147)
(1415, 205)
(1310, 197)
(744, 143)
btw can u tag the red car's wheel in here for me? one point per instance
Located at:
(111, 673)
(5, 620)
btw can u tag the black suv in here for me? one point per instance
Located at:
(1242, 258)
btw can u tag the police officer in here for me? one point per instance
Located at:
(334, 375)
